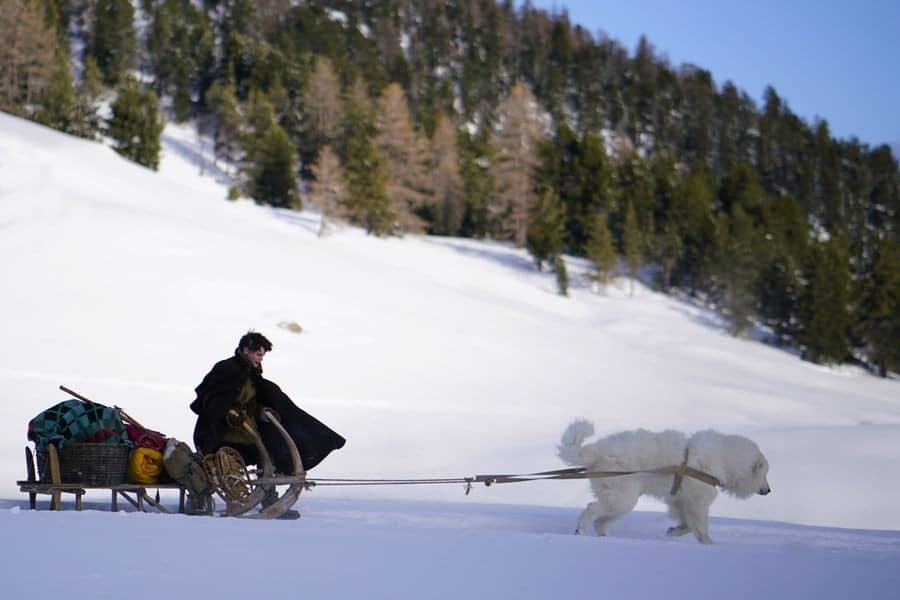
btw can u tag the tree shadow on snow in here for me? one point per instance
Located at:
(504, 255)
(195, 156)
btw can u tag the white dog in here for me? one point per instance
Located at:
(734, 461)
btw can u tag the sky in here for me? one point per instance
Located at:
(833, 59)
(434, 357)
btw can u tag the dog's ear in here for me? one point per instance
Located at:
(760, 463)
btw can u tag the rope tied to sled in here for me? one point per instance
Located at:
(679, 471)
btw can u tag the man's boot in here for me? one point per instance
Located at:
(270, 498)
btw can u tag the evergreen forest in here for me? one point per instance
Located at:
(483, 119)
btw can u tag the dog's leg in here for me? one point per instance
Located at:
(677, 513)
(697, 520)
(677, 530)
(601, 524)
(587, 516)
(611, 505)
(596, 513)
(702, 530)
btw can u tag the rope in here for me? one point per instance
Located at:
(337, 482)
(680, 472)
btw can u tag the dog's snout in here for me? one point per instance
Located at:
(764, 491)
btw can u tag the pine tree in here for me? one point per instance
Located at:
(26, 55)
(273, 178)
(365, 169)
(741, 244)
(879, 308)
(327, 190)
(631, 243)
(56, 17)
(406, 156)
(737, 267)
(180, 50)
(823, 315)
(665, 247)
(446, 183)
(884, 197)
(479, 186)
(782, 256)
(112, 42)
(57, 104)
(691, 216)
(366, 177)
(322, 108)
(546, 226)
(260, 116)
(516, 140)
(829, 206)
(578, 169)
(767, 156)
(135, 125)
(182, 94)
(636, 187)
(740, 188)
(562, 275)
(87, 121)
(601, 253)
(91, 80)
(699, 95)
(226, 122)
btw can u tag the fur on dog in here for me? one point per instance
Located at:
(735, 461)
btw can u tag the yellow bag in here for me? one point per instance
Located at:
(145, 466)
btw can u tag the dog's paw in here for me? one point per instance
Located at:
(677, 530)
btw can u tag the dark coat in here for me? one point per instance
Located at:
(216, 394)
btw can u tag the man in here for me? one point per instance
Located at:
(237, 383)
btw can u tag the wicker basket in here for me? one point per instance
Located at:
(88, 463)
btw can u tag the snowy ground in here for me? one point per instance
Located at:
(434, 357)
(404, 549)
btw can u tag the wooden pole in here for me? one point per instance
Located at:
(125, 416)
(76, 394)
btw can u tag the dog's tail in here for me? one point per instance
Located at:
(571, 445)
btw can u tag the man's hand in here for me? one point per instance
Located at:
(235, 419)
(269, 415)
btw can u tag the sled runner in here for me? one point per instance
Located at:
(242, 491)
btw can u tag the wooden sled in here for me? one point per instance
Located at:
(242, 490)
(136, 494)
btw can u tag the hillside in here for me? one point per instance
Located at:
(479, 119)
(433, 356)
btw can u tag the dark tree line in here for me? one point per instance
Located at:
(475, 118)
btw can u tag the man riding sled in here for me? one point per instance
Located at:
(235, 386)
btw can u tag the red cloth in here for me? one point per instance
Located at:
(146, 438)
(101, 436)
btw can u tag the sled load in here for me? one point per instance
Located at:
(82, 445)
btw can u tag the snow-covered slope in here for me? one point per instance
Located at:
(434, 357)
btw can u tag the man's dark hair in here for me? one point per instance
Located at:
(253, 341)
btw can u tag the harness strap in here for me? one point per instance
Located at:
(683, 470)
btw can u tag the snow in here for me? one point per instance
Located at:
(435, 357)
